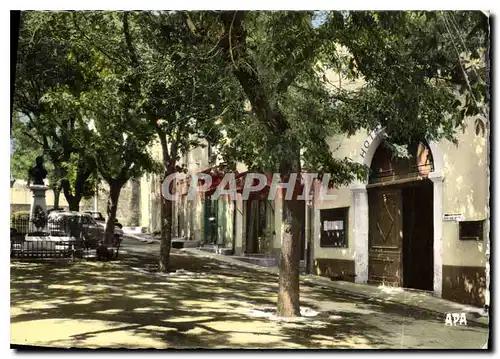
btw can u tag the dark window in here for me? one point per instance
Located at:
(471, 230)
(334, 227)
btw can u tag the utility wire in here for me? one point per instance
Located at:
(464, 73)
(454, 22)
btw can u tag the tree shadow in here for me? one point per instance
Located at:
(207, 305)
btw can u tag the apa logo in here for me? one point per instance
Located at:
(459, 318)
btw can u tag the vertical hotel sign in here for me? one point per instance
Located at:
(373, 135)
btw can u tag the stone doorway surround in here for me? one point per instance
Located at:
(360, 210)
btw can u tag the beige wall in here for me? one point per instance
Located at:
(465, 191)
(461, 253)
(465, 187)
(344, 199)
(23, 195)
(145, 202)
(341, 146)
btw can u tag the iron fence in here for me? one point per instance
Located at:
(40, 248)
(61, 237)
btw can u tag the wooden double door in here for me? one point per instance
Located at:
(385, 250)
(401, 236)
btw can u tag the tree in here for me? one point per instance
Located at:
(412, 76)
(182, 95)
(267, 54)
(119, 143)
(51, 73)
(24, 151)
(174, 90)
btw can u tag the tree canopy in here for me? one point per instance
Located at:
(98, 87)
(415, 73)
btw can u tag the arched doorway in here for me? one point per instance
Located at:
(400, 209)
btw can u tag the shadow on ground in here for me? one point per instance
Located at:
(207, 304)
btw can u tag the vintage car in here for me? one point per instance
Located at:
(100, 218)
(80, 226)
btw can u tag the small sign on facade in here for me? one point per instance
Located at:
(333, 225)
(453, 217)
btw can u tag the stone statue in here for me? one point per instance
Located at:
(37, 173)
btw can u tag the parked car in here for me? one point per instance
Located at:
(96, 215)
(100, 218)
(55, 210)
(79, 225)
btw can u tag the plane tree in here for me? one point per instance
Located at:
(421, 74)
(50, 76)
(176, 94)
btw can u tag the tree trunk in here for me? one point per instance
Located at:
(235, 48)
(134, 206)
(288, 295)
(166, 230)
(114, 194)
(73, 200)
(289, 265)
(74, 203)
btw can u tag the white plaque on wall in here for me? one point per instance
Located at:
(453, 217)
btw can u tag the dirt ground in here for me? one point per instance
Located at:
(205, 304)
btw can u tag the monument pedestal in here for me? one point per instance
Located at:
(38, 211)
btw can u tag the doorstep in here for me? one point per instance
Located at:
(412, 298)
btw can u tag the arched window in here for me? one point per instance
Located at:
(387, 166)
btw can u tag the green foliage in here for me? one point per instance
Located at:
(255, 85)
(23, 151)
(279, 103)
(152, 58)
(179, 90)
(413, 68)
(51, 75)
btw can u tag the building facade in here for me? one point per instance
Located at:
(419, 222)
(419, 225)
